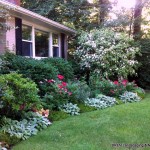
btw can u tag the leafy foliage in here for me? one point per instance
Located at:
(80, 90)
(63, 66)
(84, 108)
(25, 128)
(143, 78)
(110, 88)
(7, 139)
(57, 92)
(70, 108)
(73, 13)
(29, 68)
(101, 101)
(107, 53)
(129, 97)
(18, 95)
(58, 115)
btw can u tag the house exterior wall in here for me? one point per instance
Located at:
(2, 38)
(10, 36)
(17, 2)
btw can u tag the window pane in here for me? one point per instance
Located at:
(55, 39)
(27, 49)
(26, 32)
(55, 51)
(41, 43)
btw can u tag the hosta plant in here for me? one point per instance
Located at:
(70, 108)
(25, 128)
(130, 97)
(101, 101)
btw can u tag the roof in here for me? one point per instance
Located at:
(36, 18)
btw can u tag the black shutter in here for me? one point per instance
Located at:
(18, 23)
(63, 45)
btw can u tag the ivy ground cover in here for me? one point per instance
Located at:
(122, 124)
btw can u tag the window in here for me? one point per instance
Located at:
(37, 43)
(27, 41)
(55, 47)
(41, 43)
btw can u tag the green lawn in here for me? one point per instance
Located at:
(97, 130)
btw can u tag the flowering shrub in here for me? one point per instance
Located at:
(111, 88)
(57, 92)
(129, 97)
(101, 101)
(70, 108)
(107, 52)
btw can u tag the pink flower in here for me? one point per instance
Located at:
(69, 93)
(60, 86)
(124, 82)
(112, 91)
(116, 82)
(64, 83)
(60, 77)
(65, 90)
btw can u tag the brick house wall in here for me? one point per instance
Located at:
(10, 36)
(2, 38)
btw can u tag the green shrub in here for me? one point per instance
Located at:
(140, 92)
(84, 108)
(31, 68)
(80, 91)
(17, 95)
(143, 78)
(58, 115)
(63, 66)
(10, 140)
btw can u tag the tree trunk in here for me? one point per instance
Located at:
(104, 6)
(137, 20)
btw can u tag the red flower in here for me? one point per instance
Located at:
(60, 77)
(64, 83)
(116, 82)
(124, 82)
(22, 107)
(50, 81)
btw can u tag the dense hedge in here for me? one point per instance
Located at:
(64, 67)
(29, 67)
(37, 70)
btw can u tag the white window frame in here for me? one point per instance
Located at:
(50, 42)
(29, 41)
(59, 44)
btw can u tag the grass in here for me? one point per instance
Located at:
(98, 130)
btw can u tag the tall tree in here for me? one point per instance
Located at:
(138, 18)
(104, 7)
